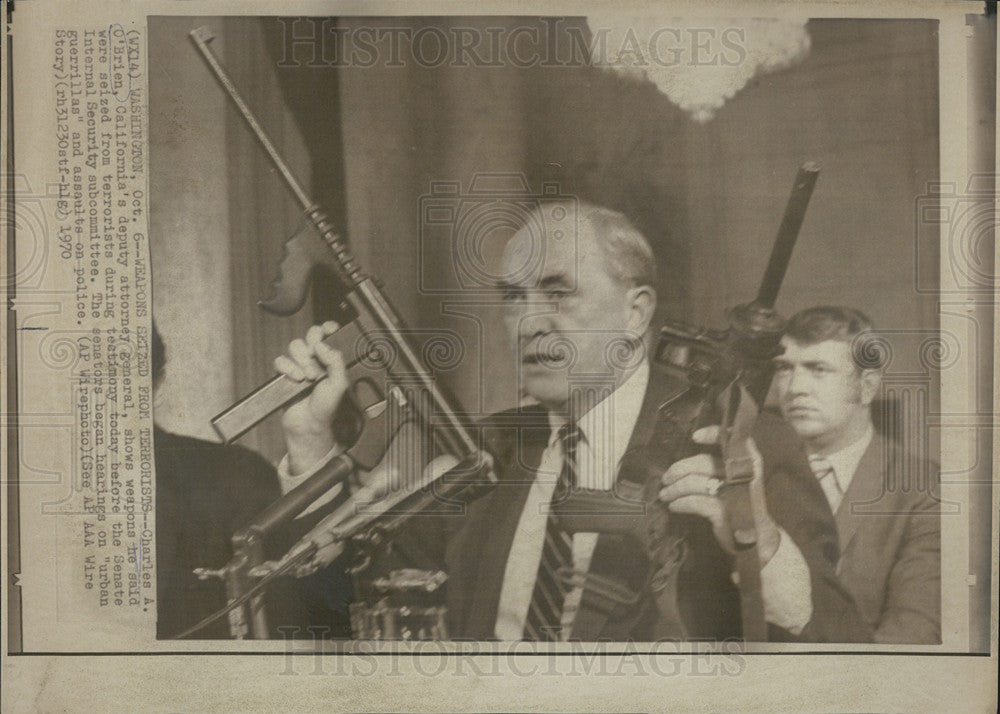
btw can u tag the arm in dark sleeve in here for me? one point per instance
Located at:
(205, 492)
(796, 502)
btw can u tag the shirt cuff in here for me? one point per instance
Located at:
(786, 589)
(288, 481)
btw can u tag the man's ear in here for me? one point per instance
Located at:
(871, 379)
(642, 304)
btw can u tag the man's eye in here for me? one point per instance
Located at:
(556, 294)
(782, 368)
(512, 295)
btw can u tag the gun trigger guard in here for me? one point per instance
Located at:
(375, 404)
(373, 411)
(361, 565)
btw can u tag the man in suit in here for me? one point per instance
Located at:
(885, 500)
(577, 285)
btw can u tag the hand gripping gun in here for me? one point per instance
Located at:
(729, 373)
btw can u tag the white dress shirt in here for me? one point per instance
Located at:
(845, 463)
(607, 429)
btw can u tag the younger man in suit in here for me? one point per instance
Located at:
(885, 501)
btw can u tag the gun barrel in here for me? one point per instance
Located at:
(374, 311)
(788, 232)
(201, 36)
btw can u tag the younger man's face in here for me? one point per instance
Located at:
(821, 392)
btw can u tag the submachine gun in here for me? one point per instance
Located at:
(724, 376)
(391, 391)
(729, 373)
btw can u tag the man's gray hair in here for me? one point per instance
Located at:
(627, 253)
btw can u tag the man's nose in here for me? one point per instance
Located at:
(534, 317)
(798, 382)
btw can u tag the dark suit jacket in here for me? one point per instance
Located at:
(477, 544)
(205, 492)
(889, 526)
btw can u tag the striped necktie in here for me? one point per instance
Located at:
(543, 622)
(827, 478)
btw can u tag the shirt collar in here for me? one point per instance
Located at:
(845, 462)
(609, 424)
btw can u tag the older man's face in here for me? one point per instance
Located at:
(567, 319)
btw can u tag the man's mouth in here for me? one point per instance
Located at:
(800, 411)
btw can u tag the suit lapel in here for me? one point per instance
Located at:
(660, 390)
(866, 487)
(498, 521)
